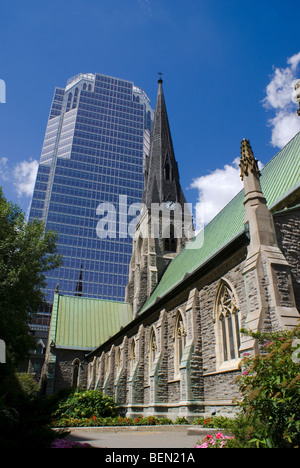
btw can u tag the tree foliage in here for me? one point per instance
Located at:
(270, 386)
(26, 253)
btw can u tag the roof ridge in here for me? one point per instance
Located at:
(92, 299)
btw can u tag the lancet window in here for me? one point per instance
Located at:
(180, 340)
(227, 317)
(132, 356)
(75, 373)
(153, 348)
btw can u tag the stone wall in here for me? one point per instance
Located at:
(203, 383)
(287, 224)
(197, 387)
(64, 368)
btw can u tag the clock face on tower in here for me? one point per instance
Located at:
(170, 205)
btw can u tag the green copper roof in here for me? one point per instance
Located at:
(279, 177)
(79, 322)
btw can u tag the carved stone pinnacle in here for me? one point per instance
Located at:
(248, 161)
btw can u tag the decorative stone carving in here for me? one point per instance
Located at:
(248, 161)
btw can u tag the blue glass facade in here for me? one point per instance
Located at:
(97, 133)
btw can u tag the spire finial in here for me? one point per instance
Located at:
(160, 77)
(248, 161)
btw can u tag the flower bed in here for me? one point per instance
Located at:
(95, 421)
(66, 443)
(217, 441)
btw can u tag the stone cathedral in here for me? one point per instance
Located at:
(174, 347)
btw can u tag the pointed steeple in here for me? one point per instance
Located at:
(161, 170)
(165, 223)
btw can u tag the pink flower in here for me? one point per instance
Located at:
(204, 445)
(65, 443)
(219, 435)
(246, 372)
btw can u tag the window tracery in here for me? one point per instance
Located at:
(227, 317)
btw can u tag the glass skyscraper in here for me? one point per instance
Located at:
(92, 157)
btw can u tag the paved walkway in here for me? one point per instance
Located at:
(178, 436)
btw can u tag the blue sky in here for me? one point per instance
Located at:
(228, 68)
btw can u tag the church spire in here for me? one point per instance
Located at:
(161, 170)
(165, 223)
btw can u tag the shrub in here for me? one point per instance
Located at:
(270, 386)
(109, 421)
(24, 420)
(182, 420)
(213, 421)
(28, 384)
(85, 404)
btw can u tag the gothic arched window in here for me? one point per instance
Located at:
(75, 373)
(180, 339)
(153, 348)
(171, 242)
(132, 356)
(227, 322)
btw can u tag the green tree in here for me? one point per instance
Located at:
(26, 253)
(270, 385)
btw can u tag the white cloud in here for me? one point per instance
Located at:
(215, 191)
(280, 97)
(4, 170)
(24, 174)
(294, 61)
(285, 126)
